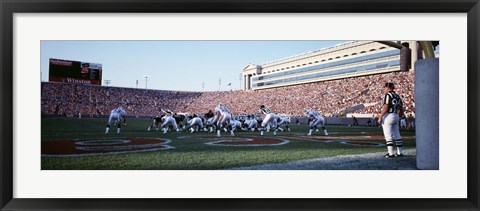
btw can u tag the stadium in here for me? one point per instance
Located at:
(340, 82)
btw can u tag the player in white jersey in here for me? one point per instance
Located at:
(235, 124)
(389, 117)
(116, 116)
(169, 120)
(195, 121)
(251, 123)
(316, 120)
(223, 116)
(283, 121)
(270, 118)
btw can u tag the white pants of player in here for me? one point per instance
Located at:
(196, 121)
(390, 127)
(253, 124)
(317, 122)
(270, 119)
(114, 117)
(391, 132)
(170, 120)
(225, 117)
(235, 124)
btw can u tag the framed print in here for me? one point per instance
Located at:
(123, 83)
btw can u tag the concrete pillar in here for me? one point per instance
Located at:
(427, 113)
(413, 47)
(244, 83)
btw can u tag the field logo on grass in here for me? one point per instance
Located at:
(249, 141)
(102, 146)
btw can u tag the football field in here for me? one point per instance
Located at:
(80, 144)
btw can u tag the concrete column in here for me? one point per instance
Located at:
(413, 47)
(244, 82)
(427, 113)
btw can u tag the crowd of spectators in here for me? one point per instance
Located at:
(330, 98)
(89, 100)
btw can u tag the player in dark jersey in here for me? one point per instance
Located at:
(155, 123)
(389, 117)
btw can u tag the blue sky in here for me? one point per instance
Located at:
(175, 65)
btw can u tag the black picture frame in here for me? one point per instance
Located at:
(9, 7)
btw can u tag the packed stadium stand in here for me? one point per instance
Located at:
(331, 98)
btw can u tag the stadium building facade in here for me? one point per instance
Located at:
(349, 59)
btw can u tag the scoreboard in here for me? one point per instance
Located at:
(68, 71)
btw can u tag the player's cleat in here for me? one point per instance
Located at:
(289, 130)
(231, 133)
(275, 132)
(309, 132)
(225, 129)
(316, 130)
(148, 129)
(325, 132)
(261, 132)
(389, 156)
(281, 129)
(118, 130)
(218, 133)
(399, 155)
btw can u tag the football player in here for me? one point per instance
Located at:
(251, 123)
(283, 121)
(223, 116)
(270, 118)
(193, 122)
(155, 123)
(316, 120)
(117, 116)
(169, 120)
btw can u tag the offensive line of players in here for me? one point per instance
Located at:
(220, 119)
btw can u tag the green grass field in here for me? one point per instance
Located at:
(191, 152)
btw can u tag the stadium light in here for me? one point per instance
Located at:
(146, 79)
